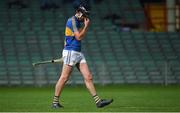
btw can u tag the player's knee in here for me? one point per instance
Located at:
(88, 78)
(64, 79)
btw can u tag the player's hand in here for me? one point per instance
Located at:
(86, 22)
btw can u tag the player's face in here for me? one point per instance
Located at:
(80, 16)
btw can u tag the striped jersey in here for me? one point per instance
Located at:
(71, 43)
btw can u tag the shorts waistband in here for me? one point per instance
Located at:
(72, 51)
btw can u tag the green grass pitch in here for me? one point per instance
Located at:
(127, 98)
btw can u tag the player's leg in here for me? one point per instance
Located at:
(84, 69)
(66, 71)
(88, 79)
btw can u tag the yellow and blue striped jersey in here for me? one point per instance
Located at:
(71, 43)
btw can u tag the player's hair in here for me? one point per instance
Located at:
(83, 10)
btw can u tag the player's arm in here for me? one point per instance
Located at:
(80, 34)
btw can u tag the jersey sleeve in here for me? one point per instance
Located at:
(69, 29)
(74, 26)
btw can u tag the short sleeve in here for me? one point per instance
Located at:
(74, 26)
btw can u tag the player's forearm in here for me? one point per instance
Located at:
(81, 34)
